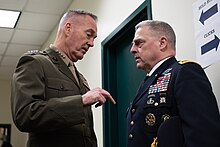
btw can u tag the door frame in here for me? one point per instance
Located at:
(110, 115)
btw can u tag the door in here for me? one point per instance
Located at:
(120, 76)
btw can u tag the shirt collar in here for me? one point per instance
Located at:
(156, 66)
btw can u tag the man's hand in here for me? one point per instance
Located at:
(97, 95)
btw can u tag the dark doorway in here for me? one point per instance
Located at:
(5, 134)
(120, 76)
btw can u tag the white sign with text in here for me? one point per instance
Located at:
(207, 31)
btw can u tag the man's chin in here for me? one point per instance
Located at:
(80, 57)
(139, 66)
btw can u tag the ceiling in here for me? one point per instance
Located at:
(37, 20)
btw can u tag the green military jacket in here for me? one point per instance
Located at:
(47, 103)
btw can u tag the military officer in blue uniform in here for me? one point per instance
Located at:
(175, 105)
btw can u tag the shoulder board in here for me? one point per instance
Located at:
(187, 61)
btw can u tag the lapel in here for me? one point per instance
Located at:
(152, 78)
(60, 64)
(82, 80)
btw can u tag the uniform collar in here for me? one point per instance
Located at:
(63, 56)
(156, 66)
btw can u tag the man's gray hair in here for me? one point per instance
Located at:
(160, 28)
(77, 12)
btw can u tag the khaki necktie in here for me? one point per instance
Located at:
(73, 70)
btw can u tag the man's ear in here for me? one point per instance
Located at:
(163, 43)
(67, 28)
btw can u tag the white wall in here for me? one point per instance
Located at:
(17, 138)
(111, 13)
(179, 15)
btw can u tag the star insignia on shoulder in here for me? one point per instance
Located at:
(36, 52)
(33, 52)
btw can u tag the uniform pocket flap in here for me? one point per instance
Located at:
(59, 84)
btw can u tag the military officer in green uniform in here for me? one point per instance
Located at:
(50, 98)
(175, 105)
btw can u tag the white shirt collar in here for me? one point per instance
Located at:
(156, 66)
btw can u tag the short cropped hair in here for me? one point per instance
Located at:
(160, 28)
(77, 12)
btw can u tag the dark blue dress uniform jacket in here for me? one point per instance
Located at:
(175, 89)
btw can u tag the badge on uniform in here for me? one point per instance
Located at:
(163, 98)
(165, 117)
(167, 71)
(150, 119)
(150, 98)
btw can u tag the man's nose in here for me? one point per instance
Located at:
(91, 42)
(133, 49)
